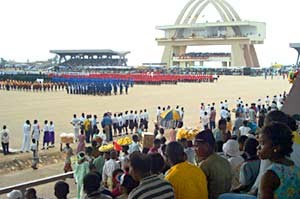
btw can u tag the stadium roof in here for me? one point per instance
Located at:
(95, 52)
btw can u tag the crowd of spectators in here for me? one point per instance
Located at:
(95, 62)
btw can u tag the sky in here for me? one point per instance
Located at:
(30, 28)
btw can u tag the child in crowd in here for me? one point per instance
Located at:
(127, 184)
(116, 178)
(156, 146)
(250, 168)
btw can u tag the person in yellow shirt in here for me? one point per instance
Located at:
(188, 180)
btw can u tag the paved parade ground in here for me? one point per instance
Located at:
(18, 106)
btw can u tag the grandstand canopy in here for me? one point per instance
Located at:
(103, 57)
(94, 52)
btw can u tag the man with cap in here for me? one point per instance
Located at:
(216, 168)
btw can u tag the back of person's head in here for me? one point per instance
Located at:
(61, 190)
(135, 138)
(276, 116)
(30, 193)
(183, 142)
(113, 154)
(140, 165)
(157, 143)
(281, 138)
(163, 140)
(219, 146)
(4, 126)
(74, 116)
(175, 153)
(91, 183)
(222, 122)
(241, 140)
(180, 125)
(94, 143)
(116, 174)
(88, 150)
(161, 131)
(250, 147)
(128, 183)
(157, 163)
(33, 141)
(35, 121)
(245, 122)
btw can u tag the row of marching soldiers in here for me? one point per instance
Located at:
(30, 86)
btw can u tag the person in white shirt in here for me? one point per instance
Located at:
(141, 116)
(136, 121)
(275, 98)
(82, 119)
(126, 122)
(108, 169)
(51, 134)
(131, 121)
(46, 138)
(221, 105)
(202, 110)
(120, 124)
(35, 156)
(146, 120)
(244, 130)
(225, 104)
(267, 101)
(280, 105)
(208, 109)
(5, 140)
(115, 124)
(36, 132)
(238, 101)
(26, 137)
(134, 146)
(223, 113)
(76, 124)
(158, 112)
(205, 120)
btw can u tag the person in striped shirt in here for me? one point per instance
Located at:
(151, 186)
